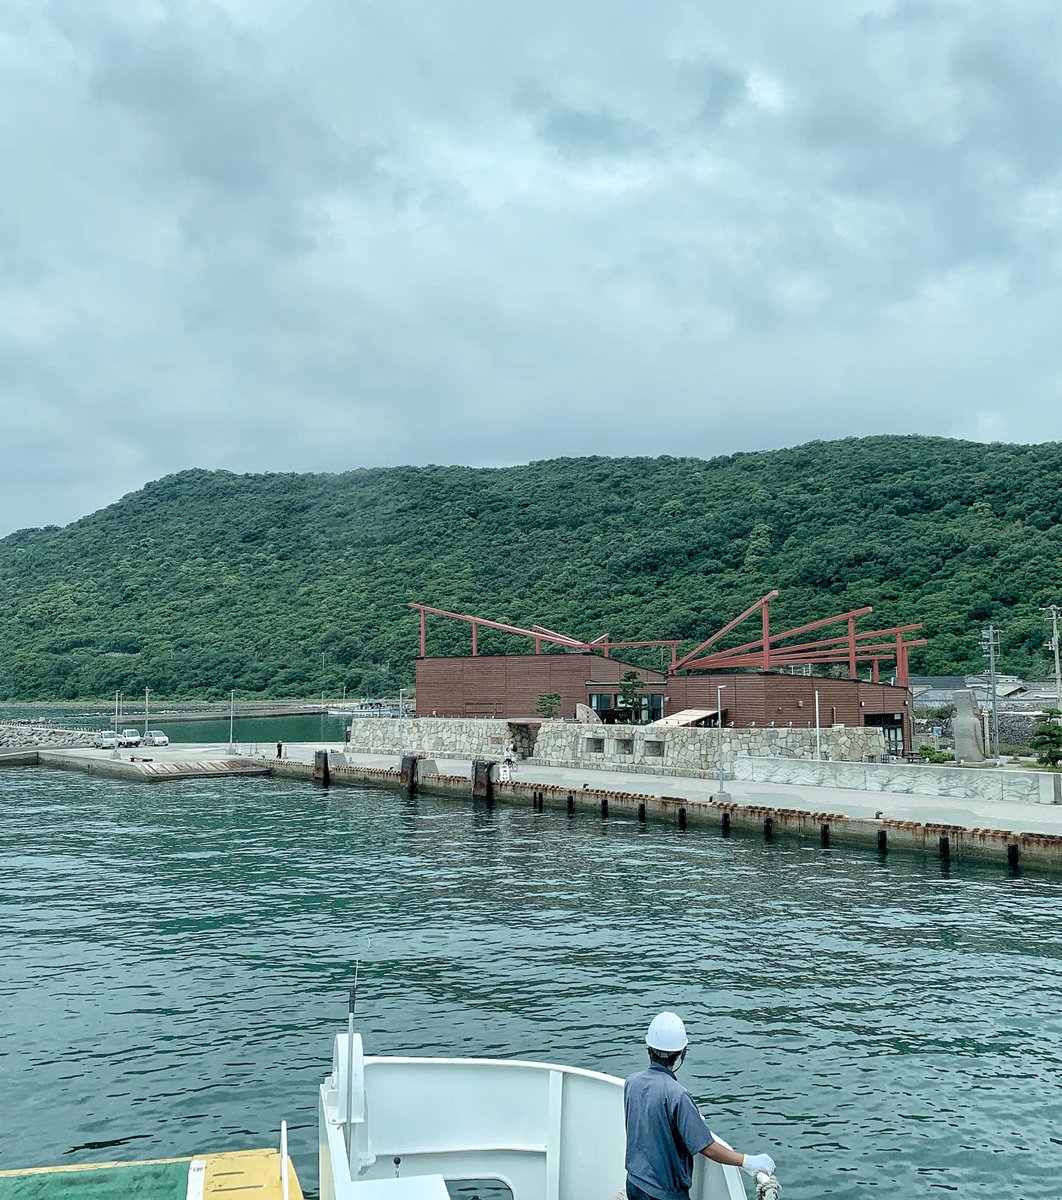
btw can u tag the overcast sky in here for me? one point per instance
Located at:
(293, 235)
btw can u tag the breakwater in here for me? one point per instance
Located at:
(29, 734)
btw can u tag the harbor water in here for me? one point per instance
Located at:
(175, 958)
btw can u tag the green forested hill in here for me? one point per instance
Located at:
(206, 581)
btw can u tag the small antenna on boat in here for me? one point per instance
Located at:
(352, 1002)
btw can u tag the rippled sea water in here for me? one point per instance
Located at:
(174, 961)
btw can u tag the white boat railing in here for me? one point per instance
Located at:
(546, 1132)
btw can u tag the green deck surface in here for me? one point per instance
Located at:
(144, 1181)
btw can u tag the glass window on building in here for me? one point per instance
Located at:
(601, 701)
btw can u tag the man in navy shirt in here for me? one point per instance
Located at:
(664, 1128)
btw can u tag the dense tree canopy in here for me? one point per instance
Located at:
(297, 584)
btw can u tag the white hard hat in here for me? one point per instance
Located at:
(667, 1033)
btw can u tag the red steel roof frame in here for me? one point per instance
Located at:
(765, 652)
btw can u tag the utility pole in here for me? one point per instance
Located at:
(990, 645)
(1053, 609)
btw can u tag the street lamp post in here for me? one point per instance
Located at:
(232, 714)
(719, 690)
(146, 690)
(401, 702)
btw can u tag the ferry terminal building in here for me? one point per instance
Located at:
(753, 684)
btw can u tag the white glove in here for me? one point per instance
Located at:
(751, 1163)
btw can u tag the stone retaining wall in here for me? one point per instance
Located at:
(440, 737)
(1030, 787)
(38, 735)
(656, 750)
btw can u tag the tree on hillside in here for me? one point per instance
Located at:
(1047, 738)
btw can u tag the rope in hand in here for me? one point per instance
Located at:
(767, 1186)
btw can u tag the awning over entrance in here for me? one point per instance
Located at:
(689, 717)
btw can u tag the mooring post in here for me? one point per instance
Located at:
(321, 774)
(482, 783)
(408, 774)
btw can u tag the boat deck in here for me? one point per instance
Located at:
(239, 1175)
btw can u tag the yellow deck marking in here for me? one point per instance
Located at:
(247, 1171)
(103, 1166)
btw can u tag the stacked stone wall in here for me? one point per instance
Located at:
(441, 737)
(657, 750)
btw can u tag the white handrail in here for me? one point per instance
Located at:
(284, 1159)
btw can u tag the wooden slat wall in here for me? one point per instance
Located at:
(784, 698)
(508, 685)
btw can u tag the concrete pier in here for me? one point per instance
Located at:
(953, 829)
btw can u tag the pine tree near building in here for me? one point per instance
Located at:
(1047, 738)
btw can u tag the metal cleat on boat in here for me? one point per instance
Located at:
(767, 1186)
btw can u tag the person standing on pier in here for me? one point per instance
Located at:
(280, 749)
(664, 1128)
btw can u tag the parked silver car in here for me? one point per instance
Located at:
(106, 739)
(154, 737)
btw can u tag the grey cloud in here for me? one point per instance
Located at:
(905, 13)
(576, 132)
(330, 235)
(1013, 98)
(721, 87)
(591, 133)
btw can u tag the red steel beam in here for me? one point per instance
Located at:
(777, 637)
(765, 625)
(538, 635)
(851, 648)
(553, 633)
(442, 612)
(721, 655)
(828, 654)
(726, 629)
